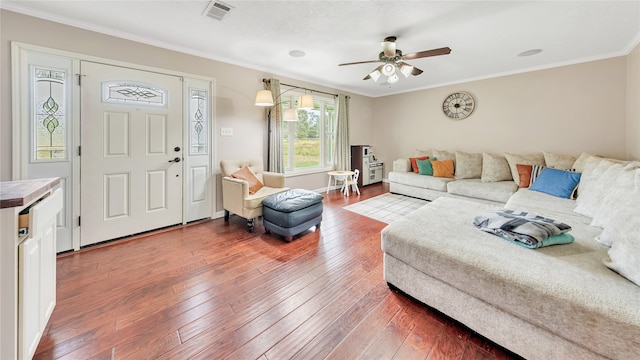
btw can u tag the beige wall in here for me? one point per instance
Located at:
(633, 104)
(234, 94)
(568, 109)
(589, 107)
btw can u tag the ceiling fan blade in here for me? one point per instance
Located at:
(359, 62)
(427, 53)
(416, 71)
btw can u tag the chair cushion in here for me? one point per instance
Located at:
(255, 200)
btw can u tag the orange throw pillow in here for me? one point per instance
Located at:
(246, 174)
(443, 168)
(414, 164)
(524, 172)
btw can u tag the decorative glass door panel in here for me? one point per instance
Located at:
(50, 115)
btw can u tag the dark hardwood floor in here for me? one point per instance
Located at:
(214, 291)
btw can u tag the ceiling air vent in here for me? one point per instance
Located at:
(217, 10)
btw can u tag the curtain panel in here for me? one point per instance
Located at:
(342, 157)
(275, 152)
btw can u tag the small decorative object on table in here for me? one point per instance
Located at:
(291, 212)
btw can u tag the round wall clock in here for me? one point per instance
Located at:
(458, 105)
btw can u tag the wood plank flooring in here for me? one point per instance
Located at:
(212, 290)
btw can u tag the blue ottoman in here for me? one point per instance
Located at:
(291, 212)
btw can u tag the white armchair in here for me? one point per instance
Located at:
(235, 192)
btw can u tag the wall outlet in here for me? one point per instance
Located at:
(226, 131)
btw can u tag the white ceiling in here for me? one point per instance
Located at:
(485, 36)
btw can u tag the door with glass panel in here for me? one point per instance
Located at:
(132, 151)
(46, 144)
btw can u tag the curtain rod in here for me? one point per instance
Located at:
(300, 87)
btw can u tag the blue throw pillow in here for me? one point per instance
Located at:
(556, 182)
(425, 167)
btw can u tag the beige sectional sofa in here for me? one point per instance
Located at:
(482, 176)
(575, 301)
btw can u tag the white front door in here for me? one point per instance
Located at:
(131, 151)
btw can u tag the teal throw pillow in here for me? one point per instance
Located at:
(425, 167)
(556, 182)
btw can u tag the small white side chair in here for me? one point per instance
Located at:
(352, 182)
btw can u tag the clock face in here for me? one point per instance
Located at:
(458, 105)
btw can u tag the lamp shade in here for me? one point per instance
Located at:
(290, 115)
(306, 102)
(375, 75)
(389, 48)
(393, 79)
(264, 98)
(406, 70)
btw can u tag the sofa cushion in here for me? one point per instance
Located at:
(594, 184)
(495, 168)
(421, 152)
(581, 161)
(558, 288)
(524, 175)
(420, 181)
(425, 167)
(468, 165)
(499, 191)
(615, 198)
(402, 165)
(443, 168)
(546, 205)
(246, 174)
(616, 208)
(525, 159)
(559, 161)
(556, 182)
(444, 155)
(625, 228)
(414, 164)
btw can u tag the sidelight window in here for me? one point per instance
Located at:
(198, 115)
(50, 114)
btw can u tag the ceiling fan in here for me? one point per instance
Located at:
(392, 61)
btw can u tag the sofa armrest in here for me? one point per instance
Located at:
(272, 179)
(402, 165)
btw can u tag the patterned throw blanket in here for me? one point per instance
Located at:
(523, 228)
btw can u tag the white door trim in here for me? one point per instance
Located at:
(20, 150)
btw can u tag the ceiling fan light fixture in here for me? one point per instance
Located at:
(389, 48)
(393, 79)
(406, 70)
(264, 98)
(305, 102)
(388, 69)
(375, 75)
(290, 115)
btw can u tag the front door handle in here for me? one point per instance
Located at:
(175, 160)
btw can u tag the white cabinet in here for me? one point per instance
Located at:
(27, 264)
(37, 274)
(30, 253)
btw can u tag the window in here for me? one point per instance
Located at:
(198, 116)
(50, 115)
(309, 142)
